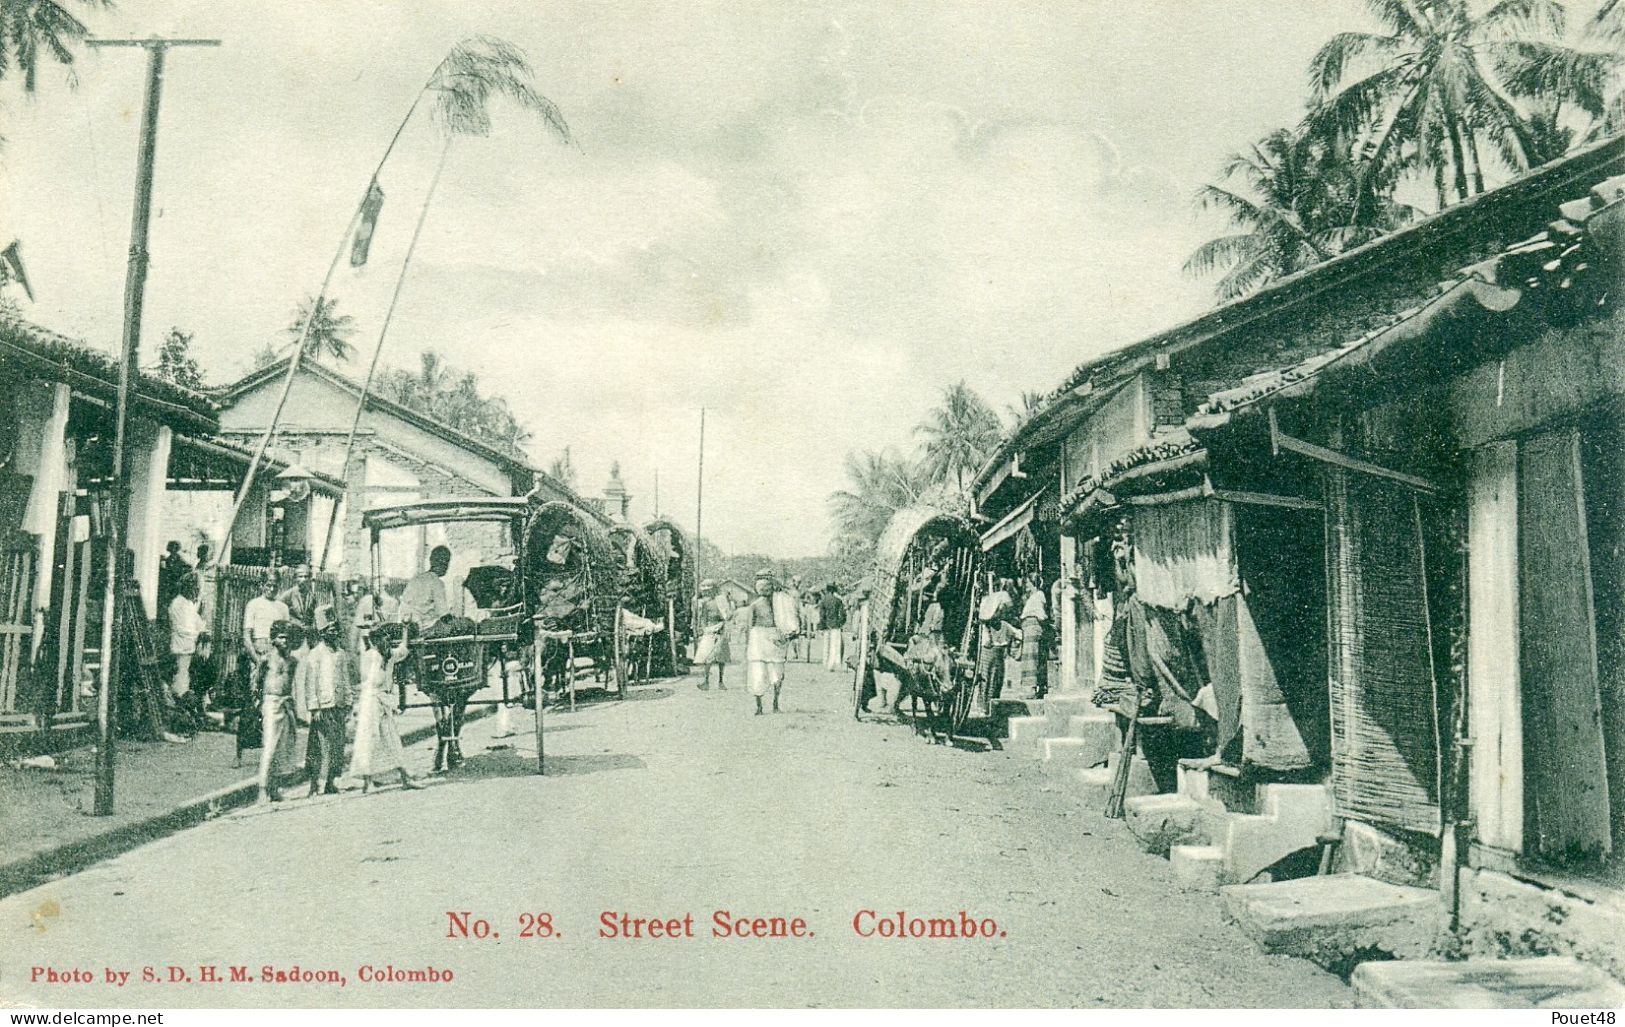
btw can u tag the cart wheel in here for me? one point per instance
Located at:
(620, 657)
(671, 638)
(862, 670)
(959, 712)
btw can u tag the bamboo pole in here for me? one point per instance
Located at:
(378, 350)
(316, 305)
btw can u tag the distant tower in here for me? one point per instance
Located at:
(617, 501)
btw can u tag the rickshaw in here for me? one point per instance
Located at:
(452, 661)
(919, 624)
(681, 585)
(573, 575)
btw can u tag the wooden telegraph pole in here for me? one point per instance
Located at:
(134, 290)
(699, 504)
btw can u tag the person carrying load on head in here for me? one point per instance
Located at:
(773, 622)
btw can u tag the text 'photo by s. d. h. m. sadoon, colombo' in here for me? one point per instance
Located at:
(1108, 504)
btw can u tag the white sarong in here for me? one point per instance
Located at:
(765, 653)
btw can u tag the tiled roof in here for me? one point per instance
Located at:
(48, 354)
(1308, 314)
(1574, 263)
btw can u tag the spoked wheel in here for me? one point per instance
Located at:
(959, 711)
(862, 670)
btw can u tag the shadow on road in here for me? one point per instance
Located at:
(643, 693)
(517, 763)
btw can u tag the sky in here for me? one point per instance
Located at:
(807, 218)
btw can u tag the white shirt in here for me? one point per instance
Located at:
(184, 626)
(321, 680)
(1033, 609)
(424, 600)
(258, 617)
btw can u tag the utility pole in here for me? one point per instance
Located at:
(699, 504)
(135, 284)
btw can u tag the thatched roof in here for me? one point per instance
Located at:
(907, 525)
(40, 352)
(1357, 293)
(551, 519)
(682, 549)
(649, 557)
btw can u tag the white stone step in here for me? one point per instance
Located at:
(1543, 982)
(1027, 735)
(1095, 783)
(1159, 822)
(1196, 867)
(1291, 817)
(1338, 921)
(1065, 753)
(1059, 710)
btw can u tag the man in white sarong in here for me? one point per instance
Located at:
(773, 623)
(712, 611)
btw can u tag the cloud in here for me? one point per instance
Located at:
(807, 218)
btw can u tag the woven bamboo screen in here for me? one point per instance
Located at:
(1385, 749)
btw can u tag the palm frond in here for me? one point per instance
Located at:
(1224, 252)
(1522, 19)
(1331, 62)
(478, 69)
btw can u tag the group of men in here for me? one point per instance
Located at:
(303, 669)
(778, 623)
(301, 673)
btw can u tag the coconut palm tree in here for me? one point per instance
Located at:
(562, 469)
(1575, 92)
(322, 330)
(1296, 202)
(1023, 409)
(878, 485)
(1443, 76)
(960, 434)
(30, 29)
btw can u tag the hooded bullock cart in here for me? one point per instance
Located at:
(455, 659)
(645, 603)
(680, 592)
(574, 574)
(919, 624)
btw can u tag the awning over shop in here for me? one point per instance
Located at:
(211, 465)
(1010, 524)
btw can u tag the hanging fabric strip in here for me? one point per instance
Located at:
(1183, 551)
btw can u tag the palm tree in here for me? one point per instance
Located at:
(878, 485)
(1441, 78)
(563, 469)
(31, 28)
(1297, 205)
(1584, 78)
(323, 331)
(1023, 409)
(959, 435)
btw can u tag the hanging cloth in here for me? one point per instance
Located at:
(1183, 551)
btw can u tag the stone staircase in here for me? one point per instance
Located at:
(1080, 730)
(1217, 830)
